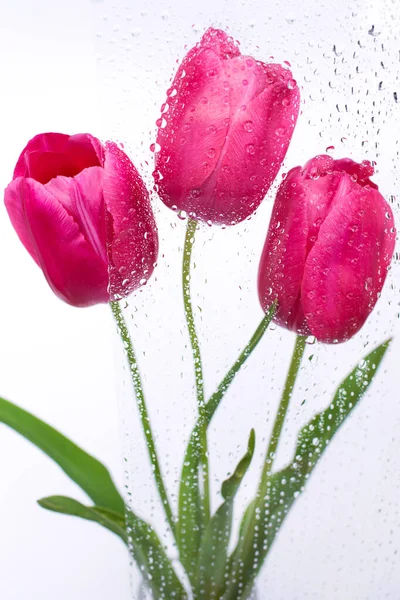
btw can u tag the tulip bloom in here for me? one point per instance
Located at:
(224, 131)
(83, 213)
(328, 249)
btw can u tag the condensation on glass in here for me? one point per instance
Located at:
(341, 540)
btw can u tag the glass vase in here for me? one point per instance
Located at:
(340, 538)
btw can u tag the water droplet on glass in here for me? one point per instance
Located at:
(248, 126)
(373, 32)
(250, 149)
(314, 173)
(368, 283)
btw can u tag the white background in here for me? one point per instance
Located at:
(104, 68)
(55, 361)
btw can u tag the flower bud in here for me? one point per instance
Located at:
(224, 131)
(84, 215)
(329, 245)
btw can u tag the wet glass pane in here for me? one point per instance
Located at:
(341, 537)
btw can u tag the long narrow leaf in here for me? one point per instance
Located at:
(153, 562)
(144, 544)
(190, 527)
(87, 472)
(68, 506)
(231, 485)
(214, 546)
(109, 509)
(263, 520)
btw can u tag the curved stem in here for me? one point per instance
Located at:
(282, 410)
(198, 367)
(250, 525)
(144, 415)
(219, 393)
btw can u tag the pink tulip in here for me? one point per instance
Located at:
(328, 249)
(83, 213)
(224, 131)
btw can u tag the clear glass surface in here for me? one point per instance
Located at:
(341, 539)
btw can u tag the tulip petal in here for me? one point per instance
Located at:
(73, 270)
(16, 212)
(283, 258)
(195, 125)
(51, 154)
(132, 240)
(264, 107)
(346, 268)
(82, 197)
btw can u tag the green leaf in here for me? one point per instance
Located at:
(191, 525)
(95, 480)
(152, 561)
(263, 519)
(230, 486)
(68, 506)
(144, 543)
(87, 472)
(215, 542)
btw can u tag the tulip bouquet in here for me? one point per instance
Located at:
(84, 214)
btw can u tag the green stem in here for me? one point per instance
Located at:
(281, 414)
(198, 368)
(144, 415)
(219, 393)
(245, 549)
(187, 255)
